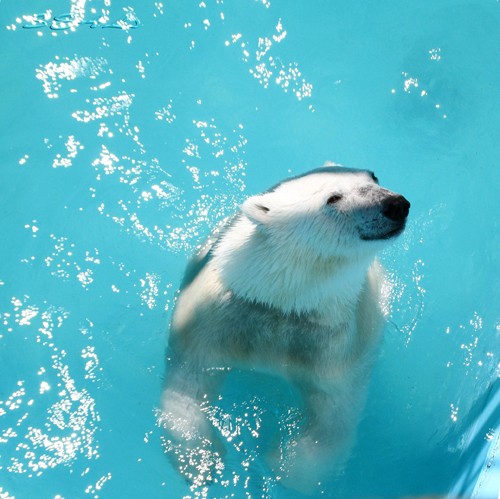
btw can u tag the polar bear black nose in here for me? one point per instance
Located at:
(396, 208)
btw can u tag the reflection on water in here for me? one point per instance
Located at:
(67, 432)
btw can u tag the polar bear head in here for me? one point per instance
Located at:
(331, 211)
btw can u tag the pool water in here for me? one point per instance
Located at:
(128, 130)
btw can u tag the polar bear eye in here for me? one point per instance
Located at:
(334, 198)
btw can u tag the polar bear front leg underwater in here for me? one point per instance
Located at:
(290, 286)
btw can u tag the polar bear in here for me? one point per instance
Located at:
(290, 286)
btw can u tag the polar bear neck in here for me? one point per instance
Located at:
(255, 269)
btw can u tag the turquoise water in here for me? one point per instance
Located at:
(125, 139)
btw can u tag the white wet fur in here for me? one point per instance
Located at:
(290, 288)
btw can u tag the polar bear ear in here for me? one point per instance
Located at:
(256, 208)
(330, 163)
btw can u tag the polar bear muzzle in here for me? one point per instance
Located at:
(396, 208)
(390, 221)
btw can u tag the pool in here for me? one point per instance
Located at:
(129, 130)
